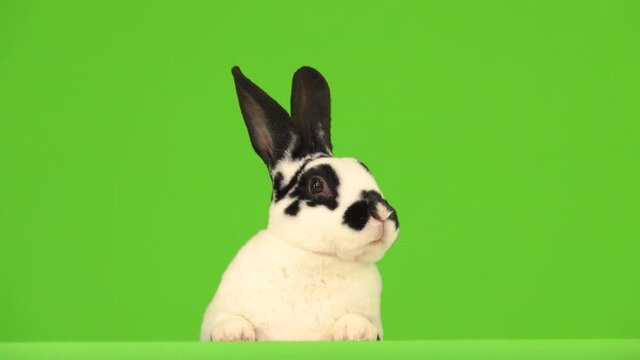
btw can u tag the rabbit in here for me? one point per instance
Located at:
(311, 274)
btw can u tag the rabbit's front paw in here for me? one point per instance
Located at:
(354, 327)
(234, 329)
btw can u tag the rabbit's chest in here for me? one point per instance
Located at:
(304, 305)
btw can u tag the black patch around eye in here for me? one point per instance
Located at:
(282, 191)
(331, 183)
(357, 215)
(293, 208)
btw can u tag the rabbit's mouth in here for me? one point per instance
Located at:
(379, 234)
(382, 233)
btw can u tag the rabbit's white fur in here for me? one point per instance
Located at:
(286, 293)
(311, 274)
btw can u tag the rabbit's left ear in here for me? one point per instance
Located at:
(311, 109)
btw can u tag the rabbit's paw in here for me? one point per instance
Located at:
(354, 327)
(234, 329)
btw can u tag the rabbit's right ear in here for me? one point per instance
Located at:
(311, 109)
(270, 127)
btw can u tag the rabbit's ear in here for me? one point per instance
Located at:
(311, 109)
(270, 127)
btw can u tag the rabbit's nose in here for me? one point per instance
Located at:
(380, 212)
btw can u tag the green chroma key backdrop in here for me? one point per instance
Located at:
(507, 135)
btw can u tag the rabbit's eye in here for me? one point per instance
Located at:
(316, 185)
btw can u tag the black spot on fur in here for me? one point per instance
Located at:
(371, 196)
(394, 218)
(394, 215)
(378, 338)
(277, 181)
(293, 208)
(357, 215)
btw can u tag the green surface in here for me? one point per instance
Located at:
(505, 133)
(432, 350)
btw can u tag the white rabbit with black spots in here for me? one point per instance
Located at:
(311, 274)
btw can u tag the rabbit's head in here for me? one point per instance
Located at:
(320, 203)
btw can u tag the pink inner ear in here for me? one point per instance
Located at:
(264, 140)
(261, 133)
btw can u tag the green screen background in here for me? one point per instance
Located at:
(506, 134)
